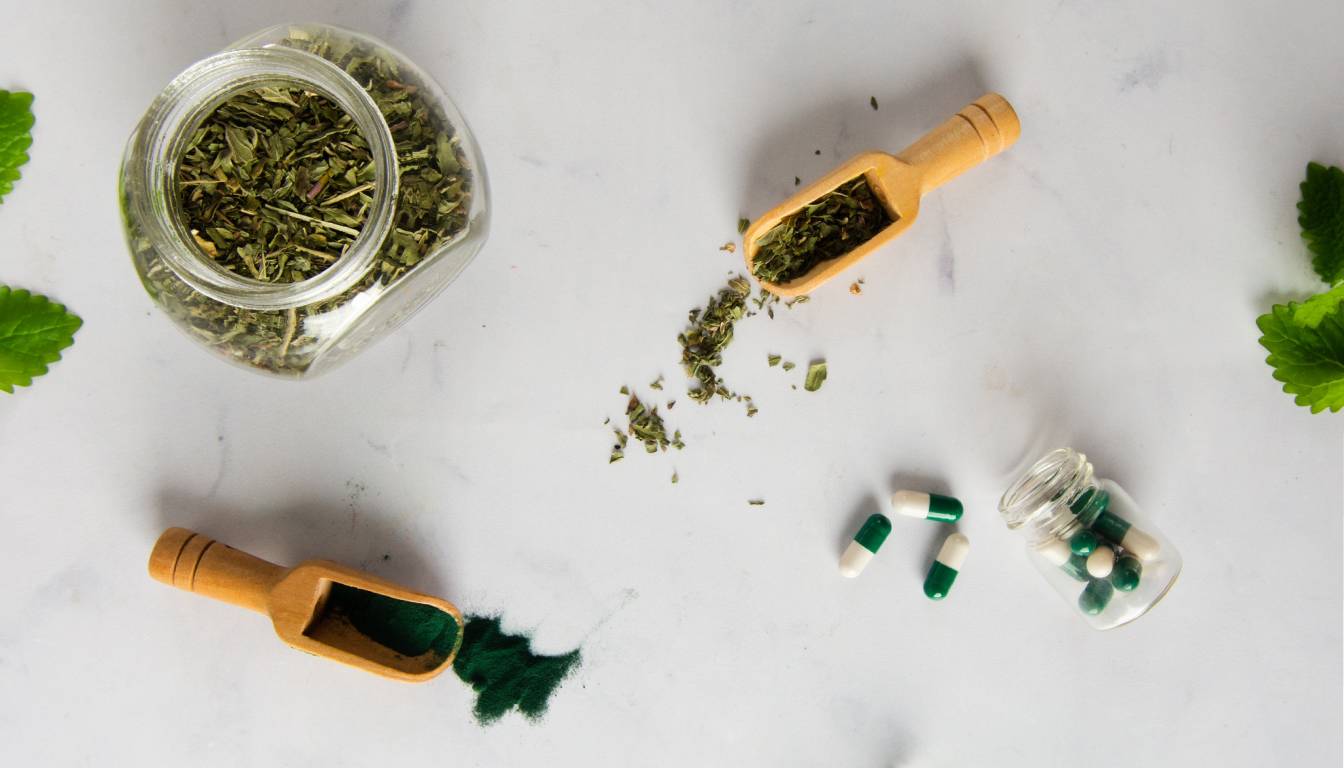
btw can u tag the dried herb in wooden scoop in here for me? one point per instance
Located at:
(808, 253)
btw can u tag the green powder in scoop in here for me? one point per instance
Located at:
(403, 626)
(501, 668)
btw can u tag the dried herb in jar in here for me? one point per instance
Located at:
(275, 184)
(436, 188)
(825, 229)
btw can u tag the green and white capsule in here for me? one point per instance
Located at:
(1125, 576)
(865, 544)
(1057, 553)
(1084, 542)
(1130, 539)
(1095, 597)
(1101, 562)
(926, 506)
(946, 566)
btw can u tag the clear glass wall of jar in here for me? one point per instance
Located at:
(304, 328)
(1089, 540)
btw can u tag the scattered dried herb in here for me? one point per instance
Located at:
(647, 426)
(816, 376)
(674, 477)
(855, 288)
(275, 184)
(657, 383)
(797, 181)
(742, 225)
(872, 102)
(710, 332)
(729, 246)
(829, 227)
(788, 366)
(756, 502)
(773, 360)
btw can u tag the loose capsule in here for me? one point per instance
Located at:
(1130, 539)
(926, 506)
(1095, 597)
(1084, 542)
(1101, 562)
(946, 566)
(865, 544)
(1126, 575)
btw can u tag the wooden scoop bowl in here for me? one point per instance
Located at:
(295, 599)
(982, 129)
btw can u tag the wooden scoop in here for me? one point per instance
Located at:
(982, 129)
(296, 599)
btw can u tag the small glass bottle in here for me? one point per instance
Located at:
(300, 329)
(1089, 540)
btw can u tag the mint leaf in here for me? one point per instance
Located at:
(16, 123)
(1321, 216)
(33, 331)
(1309, 361)
(1311, 312)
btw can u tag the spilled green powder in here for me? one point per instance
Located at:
(406, 627)
(504, 671)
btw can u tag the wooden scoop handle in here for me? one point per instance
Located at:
(196, 563)
(981, 130)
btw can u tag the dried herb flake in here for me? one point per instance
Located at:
(816, 376)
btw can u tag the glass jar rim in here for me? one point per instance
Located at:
(188, 100)
(1045, 488)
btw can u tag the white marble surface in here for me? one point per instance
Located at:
(1097, 285)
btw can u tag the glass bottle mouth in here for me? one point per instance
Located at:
(187, 101)
(1040, 496)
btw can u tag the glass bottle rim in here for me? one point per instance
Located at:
(187, 101)
(1044, 490)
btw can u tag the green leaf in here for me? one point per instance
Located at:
(33, 331)
(1321, 216)
(1309, 361)
(16, 123)
(1311, 312)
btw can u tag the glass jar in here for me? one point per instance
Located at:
(1089, 540)
(426, 169)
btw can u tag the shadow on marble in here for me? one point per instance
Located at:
(843, 124)
(325, 528)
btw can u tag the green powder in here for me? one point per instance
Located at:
(504, 671)
(408, 628)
